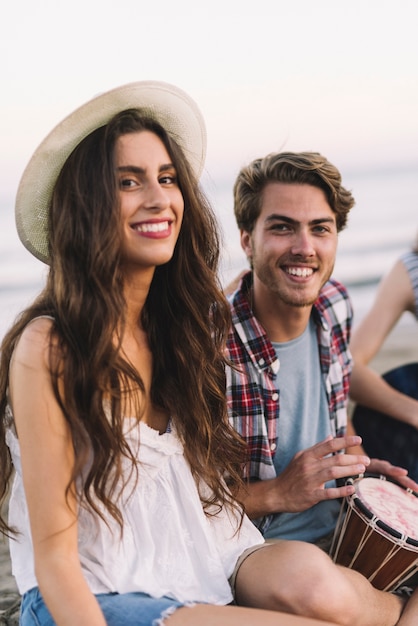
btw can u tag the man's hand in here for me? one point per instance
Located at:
(302, 483)
(400, 474)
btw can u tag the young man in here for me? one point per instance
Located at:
(287, 391)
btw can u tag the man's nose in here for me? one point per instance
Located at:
(302, 244)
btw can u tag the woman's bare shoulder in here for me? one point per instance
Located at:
(33, 346)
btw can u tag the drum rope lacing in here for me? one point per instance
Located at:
(371, 526)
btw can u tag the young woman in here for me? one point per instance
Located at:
(112, 393)
(387, 416)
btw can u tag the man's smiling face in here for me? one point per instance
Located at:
(293, 244)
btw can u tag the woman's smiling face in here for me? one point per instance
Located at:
(150, 200)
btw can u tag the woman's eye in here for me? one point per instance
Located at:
(126, 183)
(168, 180)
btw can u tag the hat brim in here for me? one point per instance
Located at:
(167, 104)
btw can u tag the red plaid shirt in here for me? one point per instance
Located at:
(254, 399)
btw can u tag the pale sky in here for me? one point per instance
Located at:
(337, 77)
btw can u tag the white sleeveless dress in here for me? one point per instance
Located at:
(169, 547)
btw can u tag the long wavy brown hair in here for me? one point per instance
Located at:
(185, 316)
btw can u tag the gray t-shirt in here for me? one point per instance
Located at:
(304, 421)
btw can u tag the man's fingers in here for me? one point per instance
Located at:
(330, 445)
(336, 472)
(337, 492)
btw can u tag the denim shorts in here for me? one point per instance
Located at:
(127, 609)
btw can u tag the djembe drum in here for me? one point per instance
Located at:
(377, 532)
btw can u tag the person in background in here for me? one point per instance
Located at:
(409, 616)
(112, 391)
(288, 380)
(395, 433)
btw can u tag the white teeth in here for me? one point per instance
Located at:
(152, 228)
(300, 271)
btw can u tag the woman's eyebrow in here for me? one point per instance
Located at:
(140, 170)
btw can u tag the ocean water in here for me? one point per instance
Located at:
(382, 225)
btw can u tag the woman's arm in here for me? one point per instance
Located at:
(394, 296)
(47, 461)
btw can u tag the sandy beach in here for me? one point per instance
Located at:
(400, 347)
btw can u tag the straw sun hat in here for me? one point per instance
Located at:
(167, 104)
